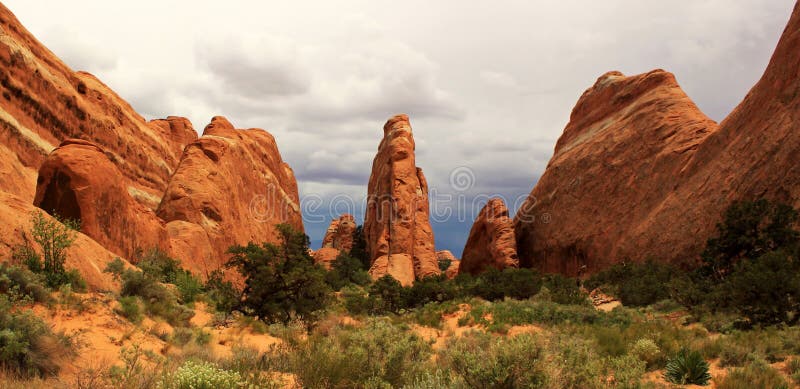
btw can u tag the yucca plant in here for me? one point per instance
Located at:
(687, 367)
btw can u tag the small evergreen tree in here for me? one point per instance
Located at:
(282, 282)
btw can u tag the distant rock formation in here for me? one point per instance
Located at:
(397, 227)
(640, 173)
(491, 242)
(452, 270)
(338, 239)
(340, 233)
(231, 187)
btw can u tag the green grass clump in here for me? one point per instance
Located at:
(687, 367)
(754, 375)
(130, 308)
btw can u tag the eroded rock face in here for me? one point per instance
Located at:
(491, 242)
(79, 182)
(44, 102)
(627, 141)
(233, 185)
(325, 256)
(446, 255)
(340, 233)
(641, 173)
(85, 255)
(397, 227)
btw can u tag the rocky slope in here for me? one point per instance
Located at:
(397, 227)
(491, 241)
(640, 172)
(44, 102)
(231, 187)
(70, 145)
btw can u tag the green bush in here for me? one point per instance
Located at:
(687, 368)
(202, 375)
(635, 284)
(159, 265)
(157, 299)
(221, 293)
(282, 283)
(627, 371)
(647, 351)
(377, 353)
(356, 300)
(387, 295)
(429, 289)
(487, 361)
(755, 375)
(793, 368)
(494, 284)
(564, 290)
(189, 287)
(19, 283)
(54, 236)
(346, 270)
(181, 336)
(129, 307)
(27, 345)
(767, 290)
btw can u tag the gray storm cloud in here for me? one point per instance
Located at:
(487, 86)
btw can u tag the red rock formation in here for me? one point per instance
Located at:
(325, 256)
(44, 102)
(85, 255)
(627, 140)
(491, 241)
(340, 233)
(78, 181)
(640, 173)
(446, 255)
(397, 227)
(231, 187)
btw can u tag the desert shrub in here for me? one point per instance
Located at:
(189, 287)
(766, 290)
(54, 236)
(253, 366)
(282, 283)
(436, 379)
(129, 307)
(377, 353)
(431, 314)
(158, 265)
(386, 294)
(687, 367)
(749, 230)
(647, 351)
(221, 293)
(564, 290)
(635, 284)
(430, 289)
(574, 363)
(116, 267)
(627, 371)
(202, 375)
(495, 285)
(355, 299)
(181, 336)
(771, 344)
(19, 283)
(755, 375)
(487, 361)
(359, 249)
(346, 270)
(157, 299)
(27, 345)
(793, 368)
(521, 312)
(201, 336)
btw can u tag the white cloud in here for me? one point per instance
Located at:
(488, 86)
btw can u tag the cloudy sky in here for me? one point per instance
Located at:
(488, 85)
